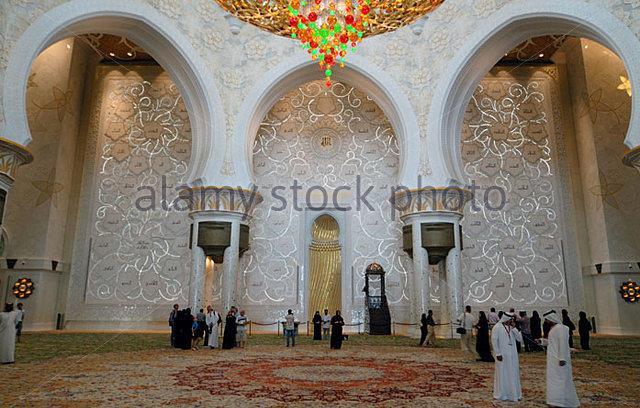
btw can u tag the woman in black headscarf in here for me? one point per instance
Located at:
(424, 329)
(566, 320)
(230, 331)
(317, 326)
(336, 331)
(535, 324)
(584, 327)
(483, 347)
(184, 321)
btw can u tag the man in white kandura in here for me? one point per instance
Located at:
(506, 378)
(213, 324)
(561, 392)
(8, 322)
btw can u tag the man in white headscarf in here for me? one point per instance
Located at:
(506, 378)
(561, 392)
(213, 324)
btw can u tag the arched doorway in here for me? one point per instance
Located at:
(150, 30)
(325, 266)
(502, 32)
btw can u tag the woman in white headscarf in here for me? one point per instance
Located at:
(506, 378)
(561, 391)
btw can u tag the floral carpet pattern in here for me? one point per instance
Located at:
(274, 376)
(331, 380)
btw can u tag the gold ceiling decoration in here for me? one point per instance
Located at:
(273, 15)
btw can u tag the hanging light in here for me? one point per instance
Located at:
(329, 29)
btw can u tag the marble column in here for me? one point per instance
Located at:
(454, 273)
(228, 205)
(230, 268)
(435, 206)
(196, 287)
(420, 269)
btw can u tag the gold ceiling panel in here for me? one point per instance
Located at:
(272, 15)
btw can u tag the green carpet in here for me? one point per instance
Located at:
(43, 346)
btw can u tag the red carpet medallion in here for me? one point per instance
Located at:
(309, 379)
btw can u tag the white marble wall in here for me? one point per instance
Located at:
(131, 256)
(327, 139)
(513, 244)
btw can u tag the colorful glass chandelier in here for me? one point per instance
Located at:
(329, 29)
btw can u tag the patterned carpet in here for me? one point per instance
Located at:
(271, 376)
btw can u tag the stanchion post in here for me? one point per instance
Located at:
(250, 325)
(393, 325)
(307, 328)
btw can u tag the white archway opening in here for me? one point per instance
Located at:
(150, 30)
(359, 74)
(499, 34)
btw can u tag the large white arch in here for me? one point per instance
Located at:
(359, 73)
(147, 27)
(500, 33)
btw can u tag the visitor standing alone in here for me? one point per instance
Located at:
(466, 322)
(566, 320)
(317, 326)
(506, 378)
(584, 327)
(290, 328)
(326, 325)
(241, 329)
(336, 331)
(561, 391)
(8, 322)
(20, 317)
(230, 331)
(172, 323)
(483, 345)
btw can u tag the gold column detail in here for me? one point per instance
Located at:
(632, 158)
(432, 199)
(325, 266)
(222, 199)
(12, 156)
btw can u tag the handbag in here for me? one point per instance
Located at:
(461, 330)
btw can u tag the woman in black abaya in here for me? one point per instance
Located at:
(317, 326)
(230, 330)
(336, 331)
(483, 347)
(536, 330)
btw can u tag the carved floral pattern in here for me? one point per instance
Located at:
(140, 238)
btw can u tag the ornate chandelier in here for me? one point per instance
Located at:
(329, 29)
(326, 28)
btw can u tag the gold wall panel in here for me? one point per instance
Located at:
(325, 265)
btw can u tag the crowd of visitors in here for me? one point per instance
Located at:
(189, 331)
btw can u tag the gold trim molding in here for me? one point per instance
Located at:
(432, 199)
(632, 158)
(223, 199)
(12, 156)
(273, 16)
